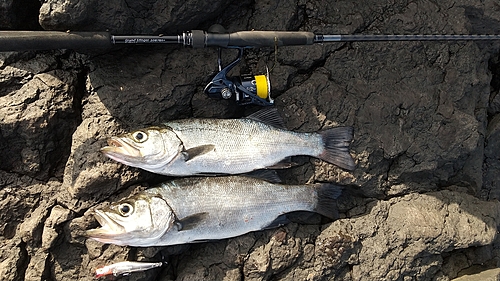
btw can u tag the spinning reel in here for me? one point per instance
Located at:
(246, 89)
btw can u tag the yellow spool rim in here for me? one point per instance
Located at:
(261, 85)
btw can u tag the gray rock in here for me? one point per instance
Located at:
(491, 187)
(487, 275)
(19, 14)
(37, 116)
(403, 247)
(422, 203)
(120, 17)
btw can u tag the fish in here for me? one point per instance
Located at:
(199, 209)
(204, 147)
(125, 268)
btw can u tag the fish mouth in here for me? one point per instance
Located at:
(108, 226)
(119, 147)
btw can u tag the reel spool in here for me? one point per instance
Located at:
(256, 86)
(259, 84)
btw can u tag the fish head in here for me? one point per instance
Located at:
(149, 148)
(139, 220)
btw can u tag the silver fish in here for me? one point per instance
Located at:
(226, 146)
(209, 208)
(125, 268)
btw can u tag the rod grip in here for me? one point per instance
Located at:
(50, 40)
(258, 39)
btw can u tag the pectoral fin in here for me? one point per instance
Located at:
(192, 221)
(197, 151)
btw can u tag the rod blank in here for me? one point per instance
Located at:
(432, 37)
(49, 40)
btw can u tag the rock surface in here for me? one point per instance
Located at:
(17, 14)
(422, 203)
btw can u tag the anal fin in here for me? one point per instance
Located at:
(279, 221)
(267, 175)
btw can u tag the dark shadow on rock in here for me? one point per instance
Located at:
(479, 22)
(19, 15)
(39, 119)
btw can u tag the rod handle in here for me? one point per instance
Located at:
(50, 40)
(251, 39)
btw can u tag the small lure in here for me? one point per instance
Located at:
(125, 268)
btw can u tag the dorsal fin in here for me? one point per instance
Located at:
(268, 116)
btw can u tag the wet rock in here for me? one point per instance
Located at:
(289, 18)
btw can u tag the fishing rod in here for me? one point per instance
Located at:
(245, 89)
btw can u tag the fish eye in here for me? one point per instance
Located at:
(125, 209)
(140, 136)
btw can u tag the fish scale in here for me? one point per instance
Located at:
(209, 208)
(240, 144)
(247, 197)
(226, 146)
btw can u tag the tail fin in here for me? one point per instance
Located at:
(327, 195)
(337, 141)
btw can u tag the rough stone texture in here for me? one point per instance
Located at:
(422, 203)
(121, 16)
(38, 115)
(492, 159)
(19, 14)
(487, 275)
